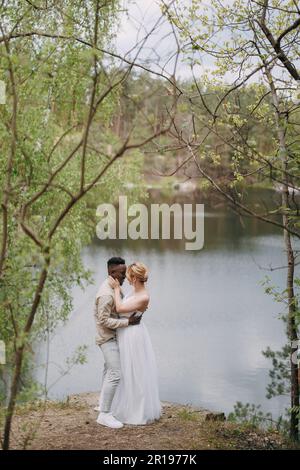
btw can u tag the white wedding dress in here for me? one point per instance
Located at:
(136, 400)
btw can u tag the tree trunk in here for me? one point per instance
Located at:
(12, 398)
(281, 122)
(20, 354)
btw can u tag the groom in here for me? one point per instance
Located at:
(107, 322)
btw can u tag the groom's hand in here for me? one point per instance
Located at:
(134, 320)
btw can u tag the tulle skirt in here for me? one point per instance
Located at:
(136, 400)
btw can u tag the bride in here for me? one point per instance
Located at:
(137, 399)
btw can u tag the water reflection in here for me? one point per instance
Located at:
(209, 317)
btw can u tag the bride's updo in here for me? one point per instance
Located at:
(137, 270)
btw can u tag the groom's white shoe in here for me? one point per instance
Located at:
(106, 419)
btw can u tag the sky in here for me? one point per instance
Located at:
(159, 48)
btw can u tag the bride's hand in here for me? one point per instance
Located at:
(114, 283)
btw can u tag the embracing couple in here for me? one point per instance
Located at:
(130, 384)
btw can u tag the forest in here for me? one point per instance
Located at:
(82, 123)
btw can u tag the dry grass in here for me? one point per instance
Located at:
(72, 425)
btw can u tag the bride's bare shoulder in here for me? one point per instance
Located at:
(143, 297)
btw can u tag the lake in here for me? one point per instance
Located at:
(209, 317)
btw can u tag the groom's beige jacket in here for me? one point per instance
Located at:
(107, 319)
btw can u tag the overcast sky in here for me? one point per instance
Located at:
(142, 17)
(160, 47)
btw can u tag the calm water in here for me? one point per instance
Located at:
(209, 317)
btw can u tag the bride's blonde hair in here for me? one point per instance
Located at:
(137, 270)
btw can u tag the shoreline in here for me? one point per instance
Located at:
(71, 425)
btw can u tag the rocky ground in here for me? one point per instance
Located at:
(72, 425)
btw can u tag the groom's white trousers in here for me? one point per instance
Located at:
(111, 374)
